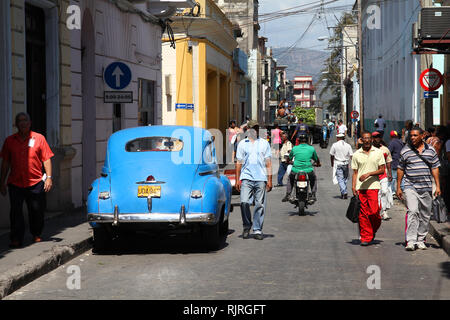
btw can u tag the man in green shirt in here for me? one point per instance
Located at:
(302, 155)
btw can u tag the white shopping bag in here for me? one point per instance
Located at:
(335, 180)
(288, 170)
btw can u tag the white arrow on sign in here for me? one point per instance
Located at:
(117, 73)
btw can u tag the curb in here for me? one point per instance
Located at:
(44, 263)
(441, 232)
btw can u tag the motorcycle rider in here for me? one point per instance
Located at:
(302, 156)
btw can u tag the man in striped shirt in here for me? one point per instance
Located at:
(418, 172)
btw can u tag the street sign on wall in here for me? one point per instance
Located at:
(117, 75)
(431, 94)
(118, 96)
(431, 79)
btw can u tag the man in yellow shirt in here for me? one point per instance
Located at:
(368, 164)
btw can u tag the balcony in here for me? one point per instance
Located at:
(163, 8)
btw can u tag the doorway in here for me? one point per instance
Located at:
(36, 68)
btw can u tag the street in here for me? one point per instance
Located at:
(316, 256)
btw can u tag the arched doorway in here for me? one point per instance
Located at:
(88, 96)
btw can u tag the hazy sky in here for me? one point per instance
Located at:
(285, 31)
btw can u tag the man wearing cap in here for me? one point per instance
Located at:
(395, 147)
(253, 179)
(367, 164)
(341, 154)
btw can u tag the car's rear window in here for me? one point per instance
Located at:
(154, 144)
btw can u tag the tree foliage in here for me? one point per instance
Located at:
(331, 76)
(308, 114)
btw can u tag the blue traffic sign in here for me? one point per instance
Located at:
(431, 94)
(117, 75)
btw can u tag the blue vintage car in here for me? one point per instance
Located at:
(160, 178)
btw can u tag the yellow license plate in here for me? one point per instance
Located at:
(146, 191)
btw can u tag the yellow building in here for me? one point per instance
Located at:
(197, 76)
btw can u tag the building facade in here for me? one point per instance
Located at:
(54, 59)
(391, 70)
(304, 92)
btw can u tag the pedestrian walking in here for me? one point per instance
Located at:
(385, 194)
(445, 172)
(253, 179)
(406, 130)
(284, 157)
(24, 154)
(233, 130)
(276, 139)
(342, 128)
(300, 129)
(418, 166)
(341, 154)
(380, 125)
(367, 164)
(395, 147)
(434, 139)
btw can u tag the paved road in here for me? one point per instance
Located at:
(317, 256)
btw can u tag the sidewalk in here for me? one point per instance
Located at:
(66, 235)
(439, 231)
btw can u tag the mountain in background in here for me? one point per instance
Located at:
(301, 62)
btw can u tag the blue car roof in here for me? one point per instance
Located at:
(194, 139)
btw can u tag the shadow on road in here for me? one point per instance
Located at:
(445, 266)
(357, 242)
(141, 243)
(307, 213)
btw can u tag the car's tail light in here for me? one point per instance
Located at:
(151, 179)
(196, 194)
(229, 172)
(301, 177)
(104, 195)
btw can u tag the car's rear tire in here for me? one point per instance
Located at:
(224, 229)
(102, 240)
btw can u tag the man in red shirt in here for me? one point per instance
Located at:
(24, 154)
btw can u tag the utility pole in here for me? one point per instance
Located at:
(361, 82)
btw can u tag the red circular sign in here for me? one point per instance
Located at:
(431, 79)
(355, 114)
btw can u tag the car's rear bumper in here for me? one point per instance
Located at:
(208, 218)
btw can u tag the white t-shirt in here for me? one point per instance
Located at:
(342, 129)
(342, 152)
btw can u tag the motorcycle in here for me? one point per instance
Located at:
(303, 192)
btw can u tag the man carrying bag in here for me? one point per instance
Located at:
(419, 165)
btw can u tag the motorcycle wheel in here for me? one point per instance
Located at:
(301, 208)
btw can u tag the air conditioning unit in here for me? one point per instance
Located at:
(434, 23)
(163, 8)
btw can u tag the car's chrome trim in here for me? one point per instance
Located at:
(152, 217)
(206, 173)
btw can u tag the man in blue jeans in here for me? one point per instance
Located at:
(341, 155)
(253, 179)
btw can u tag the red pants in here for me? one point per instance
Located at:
(369, 216)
